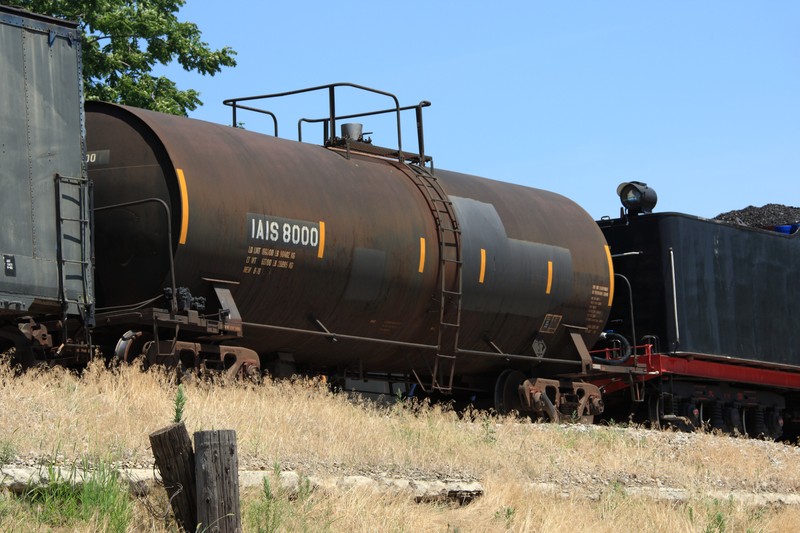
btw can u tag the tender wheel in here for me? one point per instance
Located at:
(774, 424)
(733, 419)
(691, 413)
(654, 411)
(506, 391)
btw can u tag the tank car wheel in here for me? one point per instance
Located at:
(506, 391)
(131, 346)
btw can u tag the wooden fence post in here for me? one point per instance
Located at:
(172, 449)
(217, 475)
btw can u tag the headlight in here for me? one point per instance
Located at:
(637, 197)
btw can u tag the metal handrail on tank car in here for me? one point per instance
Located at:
(331, 87)
(420, 129)
(257, 110)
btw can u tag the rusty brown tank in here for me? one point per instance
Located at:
(307, 238)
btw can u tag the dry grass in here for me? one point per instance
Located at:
(510, 506)
(107, 416)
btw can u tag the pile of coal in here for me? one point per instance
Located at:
(768, 215)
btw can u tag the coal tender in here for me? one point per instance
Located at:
(711, 305)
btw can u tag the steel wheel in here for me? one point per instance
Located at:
(131, 346)
(506, 391)
(654, 411)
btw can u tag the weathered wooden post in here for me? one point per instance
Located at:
(172, 449)
(217, 475)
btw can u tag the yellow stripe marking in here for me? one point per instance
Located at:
(483, 266)
(610, 276)
(421, 255)
(184, 206)
(321, 249)
(549, 277)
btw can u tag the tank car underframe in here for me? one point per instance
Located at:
(193, 342)
(514, 391)
(159, 336)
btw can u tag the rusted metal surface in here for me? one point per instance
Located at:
(231, 360)
(305, 237)
(302, 232)
(573, 401)
(535, 264)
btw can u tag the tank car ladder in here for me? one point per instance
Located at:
(450, 263)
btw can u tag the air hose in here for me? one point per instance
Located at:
(626, 349)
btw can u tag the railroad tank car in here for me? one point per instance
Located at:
(337, 260)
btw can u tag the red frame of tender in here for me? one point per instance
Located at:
(647, 365)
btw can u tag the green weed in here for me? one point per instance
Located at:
(179, 405)
(97, 496)
(506, 515)
(7, 451)
(281, 509)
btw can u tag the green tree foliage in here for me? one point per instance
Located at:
(124, 39)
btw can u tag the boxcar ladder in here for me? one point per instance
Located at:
(450, 283)
(73, 212)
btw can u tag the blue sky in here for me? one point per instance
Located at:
(698, 99)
